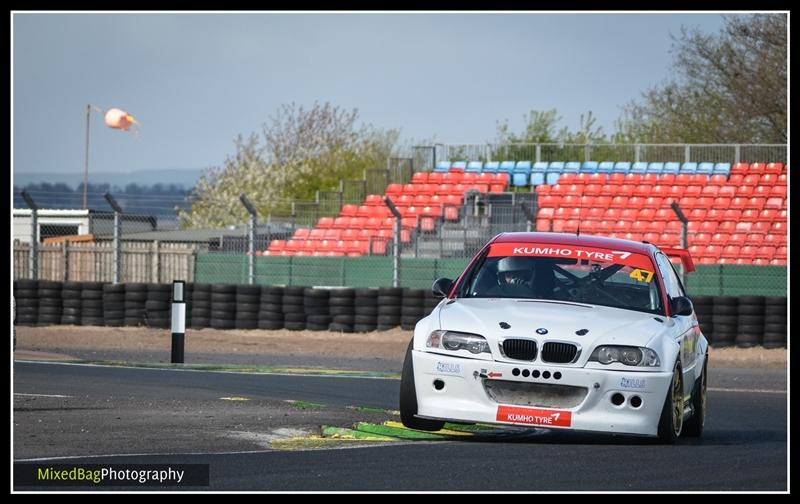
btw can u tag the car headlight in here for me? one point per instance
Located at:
(454, 341)
(628, 355)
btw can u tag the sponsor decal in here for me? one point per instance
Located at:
(448, 367)
(637, 383)
(494, 374)
(541, 330)
(534, 416)
(573, 252)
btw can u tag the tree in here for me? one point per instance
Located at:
(298, 153)
(730, 87)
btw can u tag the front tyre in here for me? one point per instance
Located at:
(671, 422)
(694, 426)
(408, 399)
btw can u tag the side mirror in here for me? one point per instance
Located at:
(681, 305)
(441, 287)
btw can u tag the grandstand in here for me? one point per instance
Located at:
(737, 213)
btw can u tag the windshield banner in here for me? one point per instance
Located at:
(571, 252)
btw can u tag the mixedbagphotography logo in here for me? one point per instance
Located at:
(55, 475)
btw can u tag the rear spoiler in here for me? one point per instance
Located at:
(683, 254)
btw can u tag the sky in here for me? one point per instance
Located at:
(196, 81)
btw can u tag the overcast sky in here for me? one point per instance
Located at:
(196, 81)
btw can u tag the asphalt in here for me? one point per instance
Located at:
(84, 414)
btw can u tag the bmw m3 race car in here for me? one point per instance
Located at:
(565, 332)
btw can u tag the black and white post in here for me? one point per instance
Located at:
(117, 236)
(251, 239)
(34, 250)
(178, 321)
(395, 241)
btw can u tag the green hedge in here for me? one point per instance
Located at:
(212, 267)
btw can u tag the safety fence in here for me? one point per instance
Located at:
(426, 157)
(744, 321)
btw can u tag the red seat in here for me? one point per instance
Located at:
(664, 214)
(542, 189)
(778, 227)
(619, 202)
(669, 240)
(778, 191)
(632, 178)
(758, 168)
(720, 238)
(601, 201)
(625, 190)
(715, 215)
(717, 180)
(783, 179)
(708, 226)
(653, 202)
(721, 203)
(730, 251)
(595, 214)
(778, 262)
(628, 214)
(393, 189)
(774, 203)
(766, 252)
(727, 227)
(686, 179)
(697, 214)
(639, 226)
(751, 179)
(769, 179)
(571, 225)
(759, 228)
(740, 239)
(700, 239)
(651, 237)
(543, 225)
(776, 168)
(646, 214)
(687, 202)
(783, 215)
(570, 201)
(735, 179)
(650, 179)
(594, 189)
(748, 252)
(713, 251)
(636, 202)
(744, 191)
(667, 179)
(743, 227)
(589, 227)
(755, 203)
(617, 179)
(740, 168)
(710, 191)
(732, 214)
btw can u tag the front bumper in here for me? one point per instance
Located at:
(463, 396)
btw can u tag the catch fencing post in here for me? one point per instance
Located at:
(684, 232)
(251, 239)
(395, 241)
(33, 252)
(528, 216)
(178, 324)
(117, 231)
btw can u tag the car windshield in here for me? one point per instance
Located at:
(566, 273)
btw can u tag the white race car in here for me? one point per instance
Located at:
(565, 332)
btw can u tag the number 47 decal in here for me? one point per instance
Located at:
(641, 275)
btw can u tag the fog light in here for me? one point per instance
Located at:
(438, 384)
(636, 401)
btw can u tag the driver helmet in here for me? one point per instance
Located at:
(514, 271)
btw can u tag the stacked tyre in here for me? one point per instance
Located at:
(27, 299)
(92, 304)
(413, 308)
(750, 322)
(114, 304)
(342, 310)
(365, 310)
(135, 302)
(223, 306)
(157, 306)
(270, 309)
(200, 312)
(704, 309)
(774, 322)
(294, 315)
(248, 304)
(70, 303)
(725, 319)
(50, 308)
(317, 309)
(390, 305)
(431, 300)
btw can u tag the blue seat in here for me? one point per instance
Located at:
(605, 167)
(442, 166)
(554, 171)
(519, 179)
(459, 165)
(491, 166)
(655, 168)
(523, 167)
(538, 173)
(621, 167)
(722, 169)
(474, 167)
(507, 166)
(589, 167)
(705, 168)
(572, 167)
(690, 168)
(671, 168)
(639, 167)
